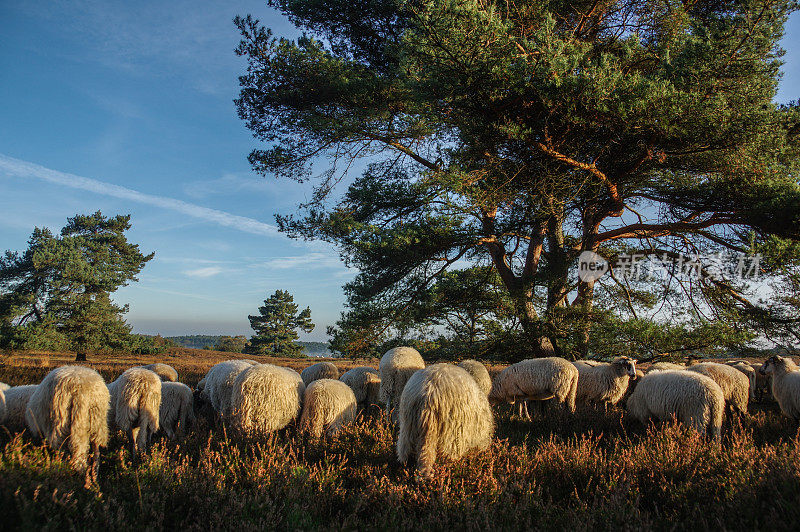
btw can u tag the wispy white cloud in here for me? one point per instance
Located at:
(307, 261)
(203, 273)
(27, 170)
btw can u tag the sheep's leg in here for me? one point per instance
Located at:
(93, 472)
(133, 436)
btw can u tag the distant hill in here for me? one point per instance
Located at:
(199, 341)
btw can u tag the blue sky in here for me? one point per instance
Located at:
(126, 107)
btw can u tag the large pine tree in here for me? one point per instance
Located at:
(63, 283)
(522, 134)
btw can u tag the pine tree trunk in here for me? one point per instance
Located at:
(80, 356)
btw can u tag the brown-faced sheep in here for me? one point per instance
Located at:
(164, 371)
(265, 398)
(135, 405)
(176, 414)
(604, 383)
(442, 412)
(71, 404)
(397, 366)
(365, 383)
(479, 373)
(785, 384)
(16, 403)
(691, 397)
(735, 385)
(320, 370)
(537, 379)
(328, 405)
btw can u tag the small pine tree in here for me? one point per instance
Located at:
(276, 326)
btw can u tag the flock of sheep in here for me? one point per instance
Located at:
(442, 410)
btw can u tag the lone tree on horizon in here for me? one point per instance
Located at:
(276, 326)
(519, 135)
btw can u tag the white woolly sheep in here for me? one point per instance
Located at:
(71, 403)
(749, 372)
(537, 379)
(785, 384)
(265, 398)
(442, 412)
(735, 385)
(16, 404)
(218, 385)
(176, 413)
(2, 407)
(328, 405)
(664, 366)
(478, 372)
(135, 405)
(320, 370)
(4, 386)
(397, 365)
(365, 383)
(605, 383)
(688, 396)
(164, 371)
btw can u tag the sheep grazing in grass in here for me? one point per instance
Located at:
(365, 383)
(176, 413)
(71, 404)
(749, 372)
(265, 398)
(785, 384)
(604, 383)
(165, 372)
(537, 379)
(442, 412)
(632, 383)
(665, 366)
(16, 403)
(320, 370)
(735, 385)
(135, 405)
(218, 385)
(478, 372)
(692, 398)
(328, 405)
(397, 366)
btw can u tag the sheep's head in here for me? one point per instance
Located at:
(627, 364)
(771, 364)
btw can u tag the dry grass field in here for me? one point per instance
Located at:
(591, 470)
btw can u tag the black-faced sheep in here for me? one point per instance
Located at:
(692, 398)
(328, 405)
(735, 385)
(397, 366)
(135, 405)
(478, 372)
(165, 372)
(442, 412)
(320, 370)
(265, 398)
(537, 379)
(176, 414)
(365, 383)
(71, 404)
(604, 383)
(785, 384)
